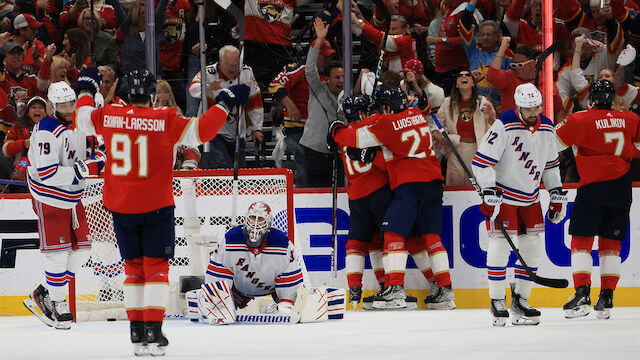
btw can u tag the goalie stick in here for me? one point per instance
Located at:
(554, 283)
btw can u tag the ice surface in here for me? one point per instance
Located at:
(416, 335)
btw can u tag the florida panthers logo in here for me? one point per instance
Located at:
(271, 10)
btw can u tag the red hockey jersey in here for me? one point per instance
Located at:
(268, 21)
(173, 32)
(407, 146)
(605, 140)
(141, 144)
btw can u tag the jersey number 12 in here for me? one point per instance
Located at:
(121, 153)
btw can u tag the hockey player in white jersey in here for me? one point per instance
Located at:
(255, 260)
(58, 165)
(515, 155)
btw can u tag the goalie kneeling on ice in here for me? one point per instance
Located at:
(213, 304)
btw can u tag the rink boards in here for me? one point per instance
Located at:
(464, 236)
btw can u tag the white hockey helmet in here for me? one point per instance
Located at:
(527, 95)
(60, 92)
(257, 223)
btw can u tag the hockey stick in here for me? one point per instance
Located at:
(554, 283)
(543, 55)
(238, 15)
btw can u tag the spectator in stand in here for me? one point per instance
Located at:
(17, 143)
(415, 83)
(218, 33)
(523, 70)
(481, 50)
(419, 14)
(626, 94)
(530, 32)
(466, 116)
(290, 89)
(268, 36)
(74, 8)
(448, 44)
(322, 108)
(19, 85)
(222, 75)
(108, 86)
(165, 97)
(400, 46)
(53, 69)
(75, 46)
(592, 56)
(171, 49)
(104, 46)
(25, 27)
(596, 20)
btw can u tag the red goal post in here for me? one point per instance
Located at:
(203, 200)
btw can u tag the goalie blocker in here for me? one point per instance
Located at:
(214, 304)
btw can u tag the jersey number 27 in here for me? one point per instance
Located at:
(416, 137)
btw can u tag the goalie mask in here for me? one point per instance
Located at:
(257, 223)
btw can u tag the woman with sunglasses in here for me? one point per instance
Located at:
(466, 116)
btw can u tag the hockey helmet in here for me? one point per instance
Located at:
(602, 92)
(141, 83)
(394, 98)
(353, 106)
(59, 93)
(527, 95)
(257, 223)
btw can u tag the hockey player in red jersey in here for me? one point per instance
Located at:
(605, 139)
(58, 166)
(415, 176)
(516, 154)
(141, 143)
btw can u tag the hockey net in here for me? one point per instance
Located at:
(204, 212)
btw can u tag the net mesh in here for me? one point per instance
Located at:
(98, 285)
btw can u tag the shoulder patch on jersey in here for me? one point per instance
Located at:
(277, 238)
(235, 235)
(51, 125)
(546, 121)
(212, 69)
(294, 66)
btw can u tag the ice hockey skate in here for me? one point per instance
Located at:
(499, 311)
(522, 312)
(40, 305)
(412, 302)
(442, 299)
(367, 302)
(579, 303)
(62, 316)
(156, 341)
(432, 293)
(392, 297)
(138, 338)
(604, 304)
(355, 294)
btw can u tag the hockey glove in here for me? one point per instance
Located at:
(334, 127)
(232, 97)
(88, 79)
(491, 200)
(84, 168)
(557, 205)
(363, 155)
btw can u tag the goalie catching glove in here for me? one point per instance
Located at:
(557, 205)
(491, 200)
(232, 97)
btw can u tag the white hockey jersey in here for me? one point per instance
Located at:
(253, 112)
(257, 271)
(50, 175)
(515, 157)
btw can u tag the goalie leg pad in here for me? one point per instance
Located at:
(312, 305)
(336, 303)
(216, 303)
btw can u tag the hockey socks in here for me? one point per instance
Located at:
(581, 261)
(146, 288)
(394, 258)
(438, 258)
(354, 263)
(609, 251)
(418, 251)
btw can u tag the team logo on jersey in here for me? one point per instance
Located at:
(173, 30)
(271, 10)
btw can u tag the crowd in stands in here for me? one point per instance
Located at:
(466, 57)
